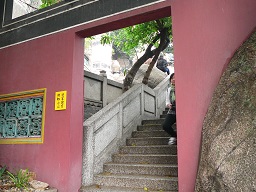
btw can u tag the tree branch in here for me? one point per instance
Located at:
(28, 5)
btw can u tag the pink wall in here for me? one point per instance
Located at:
(54, 62)
(206, 34)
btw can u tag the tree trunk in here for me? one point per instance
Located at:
(150, 68)
(132, 72)
(164, 42)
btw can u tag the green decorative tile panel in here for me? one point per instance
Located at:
(22, 117)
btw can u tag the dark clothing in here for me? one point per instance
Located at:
(164, 69)
(161, 62)
(170, 119)
(162, 65)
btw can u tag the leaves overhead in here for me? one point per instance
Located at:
(137, 37)
(46, 3)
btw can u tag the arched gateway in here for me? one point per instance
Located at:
(44, 49)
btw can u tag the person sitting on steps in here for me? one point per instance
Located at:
(170, 118)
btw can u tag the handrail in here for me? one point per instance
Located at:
(108, 129)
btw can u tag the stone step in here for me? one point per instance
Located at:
(151, 127)
(160, 133)
(146, 163)
(157, 149)
(137, 181)
(143, 169)
(100, 188)
(147, 141)
(153, 121)
(145, 159)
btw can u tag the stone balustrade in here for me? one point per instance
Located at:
(108, 129)
(98, 92)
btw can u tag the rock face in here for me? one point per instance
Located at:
(228, 154)
(156, 76)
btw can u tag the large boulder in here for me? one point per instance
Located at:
(156, 76)
(228, 154)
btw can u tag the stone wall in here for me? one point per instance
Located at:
(91, 107)
(98, 92)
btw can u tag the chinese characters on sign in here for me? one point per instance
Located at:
(60, 100)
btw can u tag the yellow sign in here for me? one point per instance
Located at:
(60, 100)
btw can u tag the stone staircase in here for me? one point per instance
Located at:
(146, 163)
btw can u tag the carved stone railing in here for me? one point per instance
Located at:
(108, 129)
(98, 92)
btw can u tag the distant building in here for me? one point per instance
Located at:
(101, 55)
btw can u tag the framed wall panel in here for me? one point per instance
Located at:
(22, 117)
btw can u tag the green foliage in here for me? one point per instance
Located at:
(20, 179)
(126, 72)
(46, 3)
(137, 37)
(105, 39)
(87, 42)
(2, 171)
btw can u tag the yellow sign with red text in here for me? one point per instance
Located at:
(60, 100)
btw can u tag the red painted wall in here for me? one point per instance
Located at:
(54, 62)
(206, 35)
